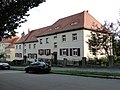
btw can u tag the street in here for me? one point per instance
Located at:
(19, 80)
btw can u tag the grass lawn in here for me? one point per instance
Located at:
(76, 72)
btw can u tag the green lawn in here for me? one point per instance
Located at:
(76, 72)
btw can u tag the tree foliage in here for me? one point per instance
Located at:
(100, 42)
(108, 41)
(13, 13)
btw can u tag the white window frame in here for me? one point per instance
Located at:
(63, 38)
(40, 41)
(55, 44)
(75, 52)
(64, 52)
(34, 46)
(74, 36)
(47, 40)
(29, 46)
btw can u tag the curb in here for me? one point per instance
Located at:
(94, 76)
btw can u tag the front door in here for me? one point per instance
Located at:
(54, 57)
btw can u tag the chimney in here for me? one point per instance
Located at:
(28, 30)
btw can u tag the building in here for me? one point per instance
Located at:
(7, 48)
(64, 41)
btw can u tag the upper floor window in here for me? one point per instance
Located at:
(40, 41)
(16, 46)
(29, 46)
(24, 50)
(34, 46)
(74, 36)
(47, 40)
(55, 44)
(63, 38)
(55, 36)
(19, 46)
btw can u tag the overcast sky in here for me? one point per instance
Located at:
(50, 11)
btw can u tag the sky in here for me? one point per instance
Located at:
(50, 11)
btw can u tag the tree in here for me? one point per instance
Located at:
(13, 13)
(100, 42)
(106, 39)
(115, 29)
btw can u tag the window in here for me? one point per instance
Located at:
(19, 46)
(16, 46)
(47, 40)
(55, 36)
(47, 51)
(75, 52)
(57, 27)
(40, 41)
(41, 52)
(63, 38)
(55, 44)
(64, 52)
(74, 36)
(74, 23)
(24, 50)
(34, 46)
(18, 55)
(29, 46)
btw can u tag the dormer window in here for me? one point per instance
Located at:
(74, 23)
(57, 27)
(50, 29)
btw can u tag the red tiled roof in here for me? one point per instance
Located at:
(76, 21)
(10, 40)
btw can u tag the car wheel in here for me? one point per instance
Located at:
(27, 71)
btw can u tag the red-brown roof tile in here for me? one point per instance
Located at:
(10, 40)
(76, 21)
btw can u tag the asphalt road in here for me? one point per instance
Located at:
(19, 80)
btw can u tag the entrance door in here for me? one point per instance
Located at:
(54, 57)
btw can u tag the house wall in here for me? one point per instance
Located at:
(87, 52)
(18, 51)
(3, 46)
(44, 46)
(31, 51)
(69, 43)
(10, 54)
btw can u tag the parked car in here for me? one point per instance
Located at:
(38, 67)
(4, 66)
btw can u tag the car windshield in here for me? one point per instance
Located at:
(37, 63)
(4, 64)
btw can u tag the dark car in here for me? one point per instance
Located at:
(4, 66)
(38, 67)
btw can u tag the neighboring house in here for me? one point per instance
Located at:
(7, 47)
(64, 40)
